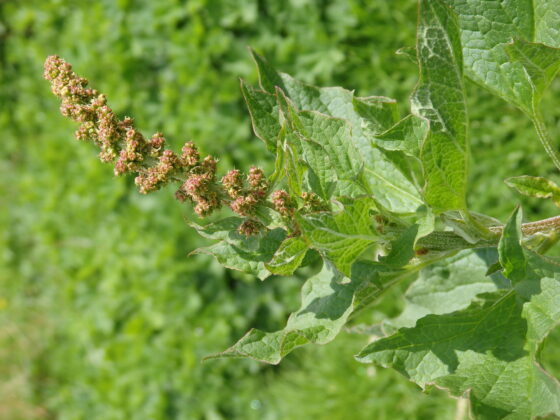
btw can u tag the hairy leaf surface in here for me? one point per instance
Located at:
(490, 347)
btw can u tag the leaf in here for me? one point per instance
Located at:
(512, 256)
(512, 50)
(449, 286)
(326, 304)
(519, 70)
(407, 135)
(327, 300)
(541, 63)
(264, 114)
(334, 135)
(382, 178)
(288, 257)
(342, 237)
(237, 252)
(378, 112)
(269, 78)
(402, 249)
(489, 348)
(535, 186)
(440, 99)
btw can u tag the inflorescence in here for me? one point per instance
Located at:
(120, 142)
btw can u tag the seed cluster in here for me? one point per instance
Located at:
(121, 143)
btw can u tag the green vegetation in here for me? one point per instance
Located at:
(103, 315)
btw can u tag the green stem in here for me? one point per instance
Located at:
(544, 136)
(448, 240)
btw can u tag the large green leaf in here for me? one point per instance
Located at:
(511, 48)
(449, 286)
(498, 50)
(381, 177)
(440, 99)
(488, 349)
(341, 237)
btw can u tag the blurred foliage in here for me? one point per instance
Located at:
(102, 314)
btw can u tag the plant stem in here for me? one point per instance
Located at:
(447, 240)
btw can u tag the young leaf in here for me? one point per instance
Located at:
(288, 257)
(467, 225)
(264, 115)
(512, 256)
(269, 78)
(535, 186)
(341, 238)
(440, 99)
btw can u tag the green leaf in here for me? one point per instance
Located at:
(512, 50)
(382, 178)
(334, 135)
(489, 348)
(468, 225)
(448, 286)
(517, 71)
(440, 99)
(512, 256)
(288, 257)
(377, 112)
(535, 186)
(327, 301)
(263, 109)
(235, 251)
(269, 78)
(342, 237)
(541, 64)
(402, 249)
(407, 135)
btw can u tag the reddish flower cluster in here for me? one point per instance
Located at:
(250, 227)
(244, 200)
(122, 143)
(283, 203)
(313, 203)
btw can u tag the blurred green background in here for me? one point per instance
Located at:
(102, 313)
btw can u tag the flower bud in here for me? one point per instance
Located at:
(283, 203)
(250, 227)
(313, 203)
(233, 183)
(190, 155)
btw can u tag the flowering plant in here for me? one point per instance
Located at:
(379, 198)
